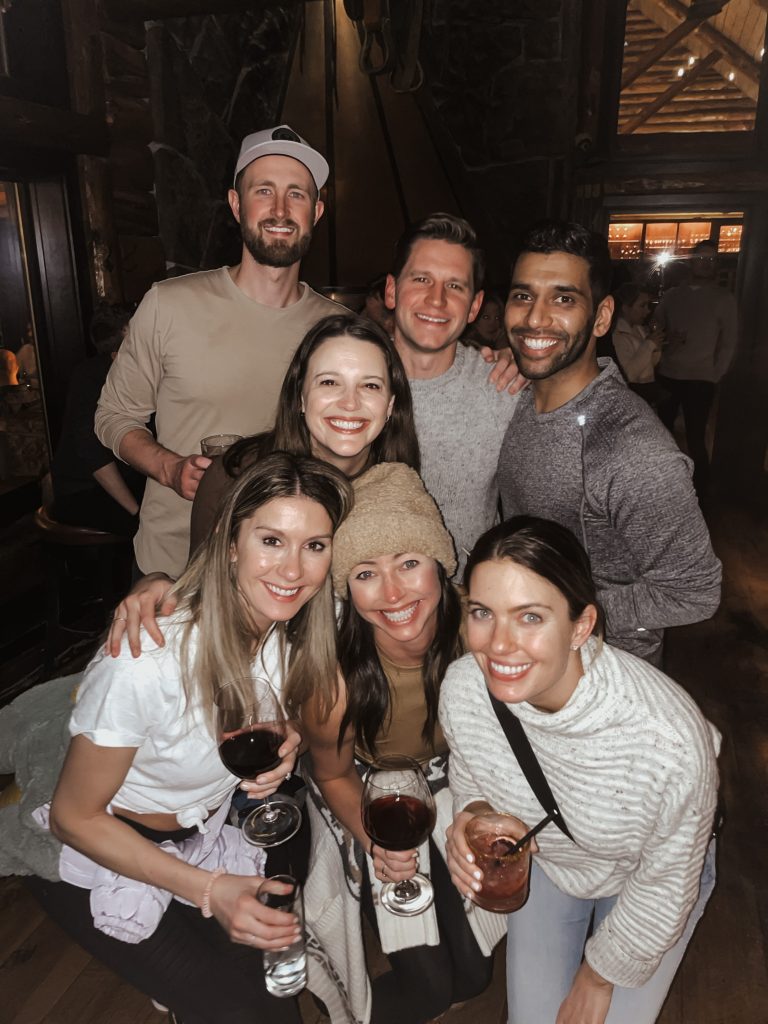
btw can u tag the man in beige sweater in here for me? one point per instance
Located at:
(207, 352)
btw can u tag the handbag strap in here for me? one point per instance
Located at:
(526, 758)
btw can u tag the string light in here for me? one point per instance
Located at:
(731, 76)
(691, 61)
(680, 72)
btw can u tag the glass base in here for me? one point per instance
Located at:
(406, 899)
(272, 823)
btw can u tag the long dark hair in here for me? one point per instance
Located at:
(549, 550)
(396, 443)
(368, 698)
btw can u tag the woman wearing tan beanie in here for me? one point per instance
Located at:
(399, 631)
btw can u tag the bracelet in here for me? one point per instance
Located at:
(205, 902)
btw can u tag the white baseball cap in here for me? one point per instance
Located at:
(283, 141)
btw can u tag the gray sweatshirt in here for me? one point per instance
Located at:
(604, 466)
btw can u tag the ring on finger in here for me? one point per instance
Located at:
(288, 775)
(119, 618)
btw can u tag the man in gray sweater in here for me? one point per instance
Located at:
(435, 289)
(584, 450)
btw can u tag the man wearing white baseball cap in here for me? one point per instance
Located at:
(207, 352)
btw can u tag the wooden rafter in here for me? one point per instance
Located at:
(740, 60)
(669, 94)
(37, 126)
(659, 50)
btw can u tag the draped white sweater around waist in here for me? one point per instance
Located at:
(631, 762)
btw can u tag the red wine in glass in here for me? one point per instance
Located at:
(250, 752)
(250, 734)
(399, 814)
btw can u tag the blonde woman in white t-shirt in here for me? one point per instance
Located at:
(143, 767)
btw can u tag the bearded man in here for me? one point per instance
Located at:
(207, 352)
(585, 451)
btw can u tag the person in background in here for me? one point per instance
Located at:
(630, 761)
(90, 488)
(207, 352)
(700, 321)
(152, 881)
(374, 306)
(488, 327)
(637, 347)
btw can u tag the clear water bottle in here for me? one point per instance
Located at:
(285, 970)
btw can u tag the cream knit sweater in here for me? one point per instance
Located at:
(631, 762)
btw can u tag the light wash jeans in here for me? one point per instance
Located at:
(545, 945)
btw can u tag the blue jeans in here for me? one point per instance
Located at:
(545, 946)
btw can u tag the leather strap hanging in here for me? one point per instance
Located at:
(529, 763)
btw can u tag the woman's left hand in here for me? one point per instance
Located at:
(588, 1001)
(269, 782)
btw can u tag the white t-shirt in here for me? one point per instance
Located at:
(140, 702)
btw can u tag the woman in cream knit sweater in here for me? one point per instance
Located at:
(631, 763)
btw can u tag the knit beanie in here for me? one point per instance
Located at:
(392, 512)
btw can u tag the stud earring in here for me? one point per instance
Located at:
(574, 647)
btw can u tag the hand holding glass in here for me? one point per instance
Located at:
(250, 736)
(492, 839)
(217, 444)
(285, 970)
(399, 814)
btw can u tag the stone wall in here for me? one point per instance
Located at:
(213, 79)
(502, 76)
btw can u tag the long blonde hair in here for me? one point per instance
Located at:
(210, 601)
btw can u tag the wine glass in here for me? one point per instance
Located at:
(399, 814)
(250, 735)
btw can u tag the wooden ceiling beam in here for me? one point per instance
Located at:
(39, 127)
(661, 49)
(729, 50)
(674, 90)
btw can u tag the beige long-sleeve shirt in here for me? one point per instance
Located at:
(206, 359)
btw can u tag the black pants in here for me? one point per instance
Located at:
(189, 964)
(695, 397)
(426, 980)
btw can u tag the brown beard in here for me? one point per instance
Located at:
(275, 254)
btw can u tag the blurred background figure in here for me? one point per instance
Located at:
(488, 327)
(637, 343)
(89, 487)
(700, 322)
(375, 308)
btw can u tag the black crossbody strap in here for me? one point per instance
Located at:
(529, 763)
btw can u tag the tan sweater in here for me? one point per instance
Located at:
(207, 360)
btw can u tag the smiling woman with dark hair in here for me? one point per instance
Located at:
(625, 866)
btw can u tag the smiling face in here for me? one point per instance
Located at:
(399, 596)
(549, 317)
(346, 400)
(521, 634)
(281, 558)
(276, 207)
(433, 298)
